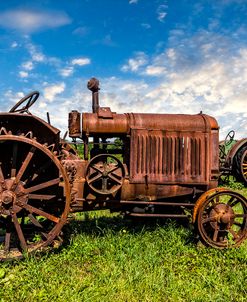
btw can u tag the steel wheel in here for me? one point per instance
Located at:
(105, 174)
(34, 196)
(222, 219)
(240, 165)
(244, 165)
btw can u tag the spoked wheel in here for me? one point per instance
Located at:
(105, 174)
(240, 165)
(222, 219)
(34, 196)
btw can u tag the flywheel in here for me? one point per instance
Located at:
(34, 195)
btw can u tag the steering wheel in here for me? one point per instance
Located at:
(229, 138)
(30, 98)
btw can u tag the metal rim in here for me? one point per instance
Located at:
(244, 165)
(105, 174)
(222, 219)
(34, 196)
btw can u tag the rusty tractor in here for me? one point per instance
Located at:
(143, 165)
(233, 157)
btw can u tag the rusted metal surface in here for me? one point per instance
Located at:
(170, 157)
(30, 175)
(93, 85)
(222, 219)
(74, 124)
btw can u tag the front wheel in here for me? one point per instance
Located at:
(222, 219)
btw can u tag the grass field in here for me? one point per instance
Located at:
(108, 258)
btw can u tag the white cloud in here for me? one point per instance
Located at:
(36, 54)
(162, 12)
(28, 65)
(155, 70)
(135, 63)
(67, 71)
(23, 74)
(81, 61)
(51, 91)
(29, 21)
(14, 44)
(133, 1)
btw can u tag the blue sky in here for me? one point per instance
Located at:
(150, 56)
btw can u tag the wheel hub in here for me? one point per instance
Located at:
(223, 215)
(12, 197)
(7, 197)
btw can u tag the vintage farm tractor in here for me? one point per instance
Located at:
(144, 165)
(233, 157)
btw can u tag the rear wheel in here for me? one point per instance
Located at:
(34, 196)
(240, 165)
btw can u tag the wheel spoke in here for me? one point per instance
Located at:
(13, 168)
(19, 232)
(7, 241)
(234, 234)
(230, 201)
(94, 178)
(112, 177)
(239, 224)
(32, 209)
(8, 234)
(37, 172)
(25, 164)
(1, 174)
(96, 169)
(43, 185)
(35, 221)
(208, 219)
(215, 236)
(240, 215)
(113, 169)
(41, 196)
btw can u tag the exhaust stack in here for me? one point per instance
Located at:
(93, 85)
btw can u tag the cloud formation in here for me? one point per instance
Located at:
(81, 61)
(30, 21)
(51, 91)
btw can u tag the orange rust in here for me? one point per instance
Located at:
(202, 199)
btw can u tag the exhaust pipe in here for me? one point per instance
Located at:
(93, 85)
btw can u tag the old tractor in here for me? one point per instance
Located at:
(233, 157)
(143, 165)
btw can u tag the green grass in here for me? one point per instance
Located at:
(107, 258)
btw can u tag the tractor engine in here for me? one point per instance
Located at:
(160, 155)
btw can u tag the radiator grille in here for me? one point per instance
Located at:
(168, 157)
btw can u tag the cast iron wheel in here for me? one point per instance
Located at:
(30, 98)
(105, 174)
(240, 165)
(222, 219)
(34, 196)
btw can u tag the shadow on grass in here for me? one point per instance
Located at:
(99, 226)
